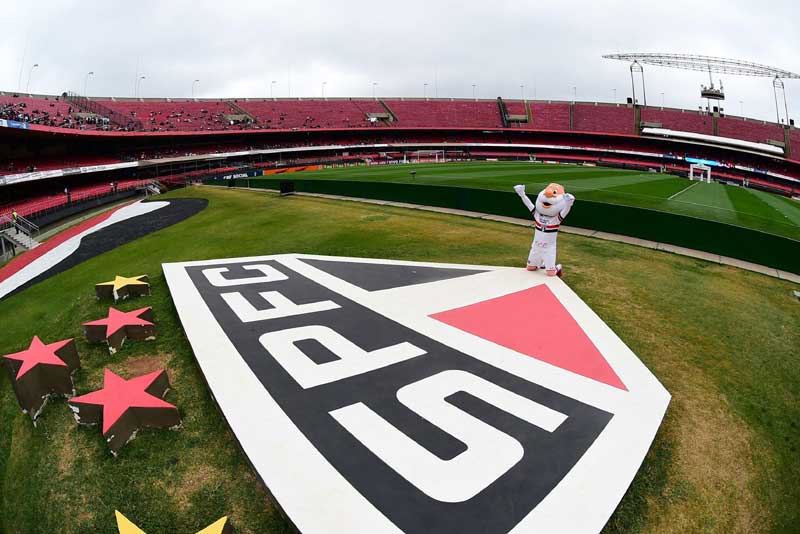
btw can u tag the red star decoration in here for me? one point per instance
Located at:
(38, 354)
(119, 395)
(117, 320)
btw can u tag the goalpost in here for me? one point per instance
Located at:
(436, 156)
(704, 170)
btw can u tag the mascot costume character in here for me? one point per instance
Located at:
(552, 206)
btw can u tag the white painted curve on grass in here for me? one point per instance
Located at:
(68, 247)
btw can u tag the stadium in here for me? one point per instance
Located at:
(268, 314)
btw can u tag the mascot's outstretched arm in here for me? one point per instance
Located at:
(569, 200)
(520, 189)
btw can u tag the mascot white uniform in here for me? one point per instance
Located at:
(552, 206)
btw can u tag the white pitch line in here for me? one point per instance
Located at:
(683, 190)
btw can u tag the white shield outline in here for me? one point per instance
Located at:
(317, 498)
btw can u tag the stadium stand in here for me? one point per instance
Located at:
(516, 107)
(311, 113)
(749, 130)
(36, 204)
(446, 113)
(44, 111)
(196, 137)
(794, 139)
(603, 118)
(550, 115)
(188, 115)
(681, 120)
(43, 164)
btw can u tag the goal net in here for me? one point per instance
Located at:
(428, 156)
(700, 172)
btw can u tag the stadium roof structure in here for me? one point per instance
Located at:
(706, 64)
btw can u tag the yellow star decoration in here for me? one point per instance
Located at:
(121, 281)
(122, 287)
(125, 526)
(219, 527)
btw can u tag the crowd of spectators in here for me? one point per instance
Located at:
(52, 111)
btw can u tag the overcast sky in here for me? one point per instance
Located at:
(236, 48)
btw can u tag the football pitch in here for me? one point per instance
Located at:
(733, 205)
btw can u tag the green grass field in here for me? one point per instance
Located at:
(728, 204)
(723, 341)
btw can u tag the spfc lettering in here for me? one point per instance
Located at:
(379, 396)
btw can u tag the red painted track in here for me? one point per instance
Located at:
(535, 323)
(23, 260)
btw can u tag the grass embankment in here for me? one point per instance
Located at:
(722, 340)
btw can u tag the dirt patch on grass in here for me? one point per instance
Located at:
(143, 364)
(66, 455)
(200, 475)
(712, 477)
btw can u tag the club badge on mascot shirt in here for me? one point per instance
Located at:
(552, 206)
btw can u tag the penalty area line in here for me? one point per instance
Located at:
(685, 189)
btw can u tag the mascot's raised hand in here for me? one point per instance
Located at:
(552, 206)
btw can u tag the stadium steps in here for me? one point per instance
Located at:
(21, 239)
(388, 110)
(96, 108)
(503, 111)
(239, 110)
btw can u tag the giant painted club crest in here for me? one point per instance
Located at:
(384, 396)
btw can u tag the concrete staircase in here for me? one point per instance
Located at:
(21, 233)
(21, 239)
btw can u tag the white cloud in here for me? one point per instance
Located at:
(237, 47)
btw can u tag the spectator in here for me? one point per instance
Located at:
(15, 218)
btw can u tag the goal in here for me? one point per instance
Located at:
(428, 156)
(703, 170)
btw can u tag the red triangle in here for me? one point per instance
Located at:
(535, 323)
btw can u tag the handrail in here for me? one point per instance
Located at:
(116, 117)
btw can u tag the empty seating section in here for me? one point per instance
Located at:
(684, 121)
(446, 113)
(550, 115)
(334, 113)
(29, 207)
(603, 118)
(515, 107)
(749, 130)
(794, 139)
(45, 111)
(179, 115)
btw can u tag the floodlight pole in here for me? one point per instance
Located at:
(30, 73)
(271, 85)
(636, 67)
(776, 82)
(194, 82)
(522, 91)
(425, 90)
(323, 89)
(86, 81)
